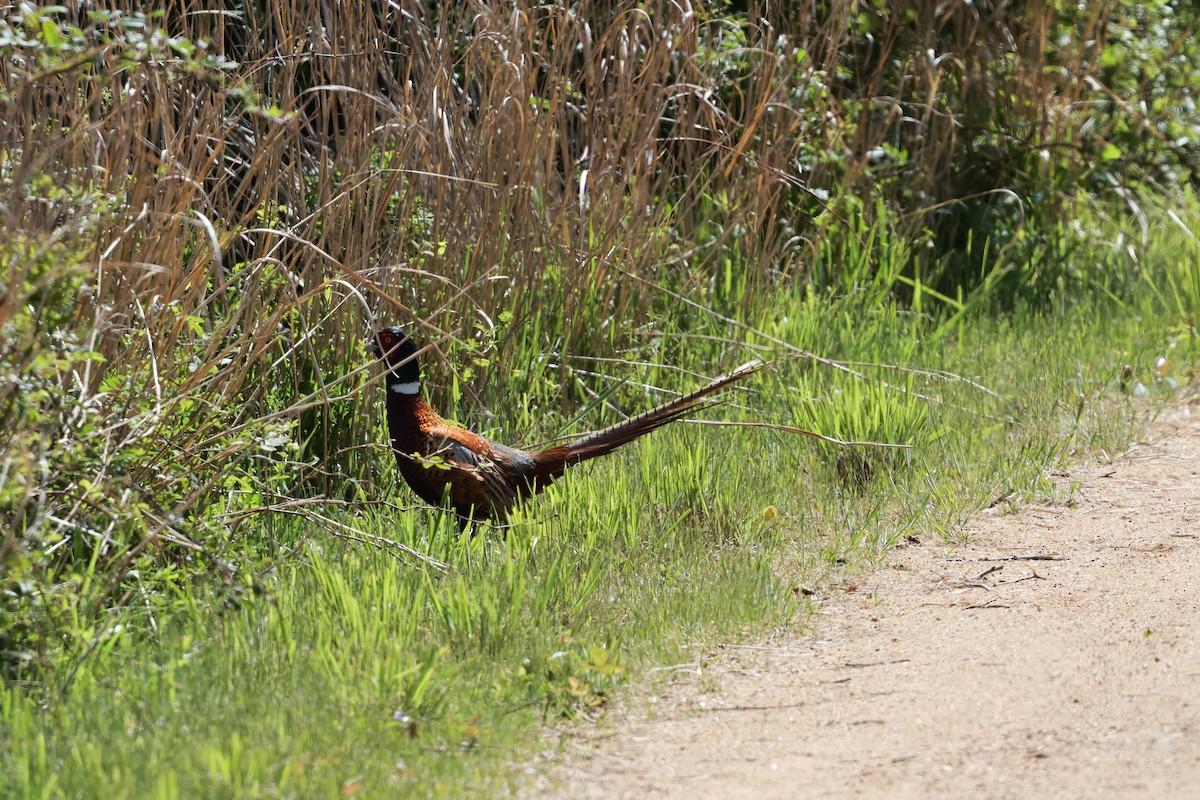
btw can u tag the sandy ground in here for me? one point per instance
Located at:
(1055, 654)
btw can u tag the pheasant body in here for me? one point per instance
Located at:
(479, 478)
(484, 478)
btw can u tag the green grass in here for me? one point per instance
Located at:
(350, 670)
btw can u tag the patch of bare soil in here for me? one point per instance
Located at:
(1055, 654)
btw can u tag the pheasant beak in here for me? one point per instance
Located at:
(373, 347)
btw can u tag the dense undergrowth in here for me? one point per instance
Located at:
(956, 228)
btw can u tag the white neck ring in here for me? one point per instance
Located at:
(406, 388)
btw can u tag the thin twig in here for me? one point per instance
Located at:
(1031, 576)
(929, 373)
(988, 604)
(789, 429)
(1010, 558)
(343, 531)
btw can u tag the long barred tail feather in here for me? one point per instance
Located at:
(609, 439)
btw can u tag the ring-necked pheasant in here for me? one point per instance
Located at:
(482, 479)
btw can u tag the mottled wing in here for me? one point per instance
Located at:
(482, 478)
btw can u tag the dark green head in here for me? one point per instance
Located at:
(394, 347)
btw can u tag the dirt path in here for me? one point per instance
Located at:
(1056, 654)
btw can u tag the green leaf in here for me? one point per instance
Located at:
(1111, 152)
(51, 35)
